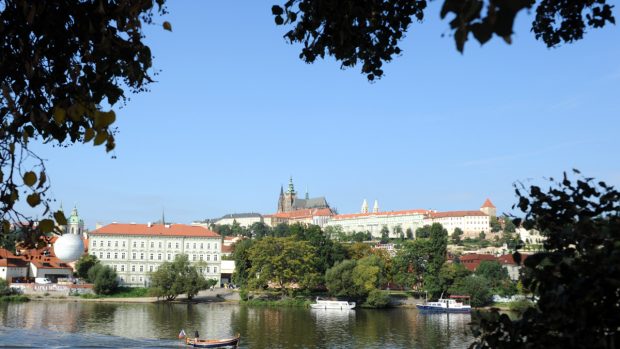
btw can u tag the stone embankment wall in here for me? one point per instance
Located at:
(55, 289)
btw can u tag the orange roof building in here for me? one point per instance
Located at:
(136, 250)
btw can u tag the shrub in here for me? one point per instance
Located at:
(377, 299)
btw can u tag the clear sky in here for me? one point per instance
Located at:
(234, 113)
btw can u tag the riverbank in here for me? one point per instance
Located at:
(207, 296)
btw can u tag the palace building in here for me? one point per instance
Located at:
(135, 250)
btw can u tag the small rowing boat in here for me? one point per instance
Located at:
(213, 343)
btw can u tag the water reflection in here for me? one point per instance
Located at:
(259, 327)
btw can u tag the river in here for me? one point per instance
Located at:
(66, 324)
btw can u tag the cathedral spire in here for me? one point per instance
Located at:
(365, 206)
(375, 208)
(291, 187)
(307, 195)
(163, 217)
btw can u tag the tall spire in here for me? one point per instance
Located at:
(375, 208)
(291, 187)
(163, 217)
(365, 206)
(307, 195)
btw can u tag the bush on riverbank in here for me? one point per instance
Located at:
(520, 306)
(285, 302)
(377, 299)
(121, 292)
(16, 298)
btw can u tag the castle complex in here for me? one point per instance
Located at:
(288, 201)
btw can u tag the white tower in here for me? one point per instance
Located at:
(375, 208)
(74, 224)
(365, 206)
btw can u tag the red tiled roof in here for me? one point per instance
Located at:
(227, 249)
(488, 203)
(507, 259)
(384, 213)
(456, 214)
(155, 230)
(472, 261)
(36, 257)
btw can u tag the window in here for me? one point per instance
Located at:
(177, 245)
(140, 278)
(123, 243)
(142, 244)
(122, 267)
(151, 256)
(194, 247)
(133, 255)
(208, 257)
(208, 269)
(169, 257)
(133, 268)
(114, 267)
(214, 257)
(135, 244)
(201, 246)
(193, 257)
(160, 244)
(109, 243)
(170, 245)
(215, 269)
(107, 256)
(208, 246)
(133, 278)
(123, 255)
(115, 243)
(159, 256)
(141, 255)
(187, 245)
(115, 255)
(150, 268)
(94, 243)
(215, 246)
(152, 244)
(200, 257)
(141, 268)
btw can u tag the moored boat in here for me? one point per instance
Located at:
(446, 305)
(213, 343)
(325, 304)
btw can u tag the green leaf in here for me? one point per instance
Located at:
(46, 225)
(33, 199)
(167, 26)
(59, 216)
(30, 178)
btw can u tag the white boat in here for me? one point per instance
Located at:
(446, 305)
(325, 304)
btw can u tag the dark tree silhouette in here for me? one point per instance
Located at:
(369, 32)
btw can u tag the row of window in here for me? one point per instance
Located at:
(160, 244)
(169, 256)
(151, 268)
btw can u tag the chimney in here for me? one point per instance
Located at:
(149, 224)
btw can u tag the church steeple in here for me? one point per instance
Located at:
(365, 206)
(375, 208)
(307, 195)
(291, 187)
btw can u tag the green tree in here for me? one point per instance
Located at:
(236, 229)
(242, 262)
(385, 235)
(259, 230)
(495, 224)
(178, 277)
(456, 235)
(84, 264)
(409, 234)
(509, 225)
(451, 273)
(359, 250)
(476, 287)
(492, 271)
(482, 236)
(398, 231)
(438, 248)
(573, 275)
(282, 262)
(410, 263)
(104, 279)
(368, 33)
(377, 299)
(5, 288)
(339, 280)
(423, 232)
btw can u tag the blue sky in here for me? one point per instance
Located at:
(234, 113)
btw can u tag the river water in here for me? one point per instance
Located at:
(66, 324)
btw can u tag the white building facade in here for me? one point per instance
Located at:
(373, 222)
(243, 219)
(136, 250)
(472, 223)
